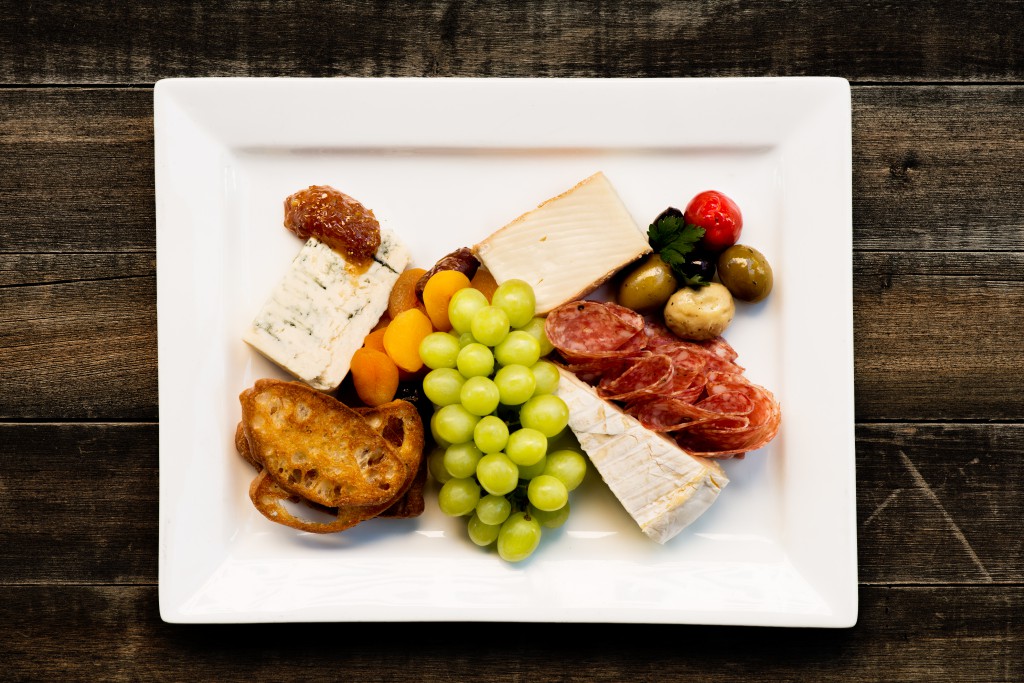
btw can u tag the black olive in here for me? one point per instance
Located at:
(669, 212)
(700, 263)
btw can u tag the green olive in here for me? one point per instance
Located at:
(648, 286)
(746, 272)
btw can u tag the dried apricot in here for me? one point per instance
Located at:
(375, 340)
(438, 292)
(403, 336)
(374, 375)
(403, 294)
(484, 281)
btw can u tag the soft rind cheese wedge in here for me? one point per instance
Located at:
(323, 308)
(568, 246)
(661, 486)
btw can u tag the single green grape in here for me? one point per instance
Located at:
(547, 413)
(443, 386)
(439, 350)
(475, 360)
(568, 466)
(463, 306)
(517, 299)
(536, 329)
(497, 474)
(460, 459)
(455, 424)
(466, 338)
(546, 375)
(518, 537)
(493, 509)
(527, 472)
(518, 348)
(481, 533)
(516, 384)
(547, 493)
(433, 432)
(490, 325)
(490, 434)
(458, 497)
(551, 520)
(435, 465)
(480, 395)
(526, 446)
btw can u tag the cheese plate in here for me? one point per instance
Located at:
(444, 162)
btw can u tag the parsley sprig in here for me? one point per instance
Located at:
(672, 238)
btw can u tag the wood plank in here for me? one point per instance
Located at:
(935, 503)
(933, 335)
(111, 42)
(114, 633)
(77, 170)
(79, 503)
(940, 503)
(938, 168)
(79, 349)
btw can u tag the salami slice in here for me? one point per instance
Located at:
(763, 416)
(666, 413)
(591, 330)
(646, 375)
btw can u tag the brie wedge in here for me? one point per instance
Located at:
(661, 486)
(323, 308)
(568, 246)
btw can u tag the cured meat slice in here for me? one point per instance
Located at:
(667, 413)
(718, 346)
(645, 375)
(591, 330)
(762, 414)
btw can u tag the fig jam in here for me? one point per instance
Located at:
(334, 218)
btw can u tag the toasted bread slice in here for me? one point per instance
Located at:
(268, 497)
(316, 447)
(401, 426)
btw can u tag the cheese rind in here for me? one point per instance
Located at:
(323, 308)
(568, 246)
(661, 486)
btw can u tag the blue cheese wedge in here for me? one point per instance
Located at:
(568, 246)
(323, 308)
(661, 486)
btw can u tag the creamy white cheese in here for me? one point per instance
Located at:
(568, 246)
(323, 308)
(661, 486)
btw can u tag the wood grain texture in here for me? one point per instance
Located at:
(940, 503)
(935, 503)
(85, 501)
(77, 170)
(140, 42)
(938, 168)
(79, 348)
(113, 633)
(932, 335)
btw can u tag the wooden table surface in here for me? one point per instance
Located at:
(938, 204)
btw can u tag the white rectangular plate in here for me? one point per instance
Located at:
(444, 162)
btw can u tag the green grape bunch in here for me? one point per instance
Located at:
(505, 458)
